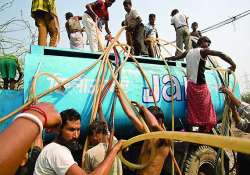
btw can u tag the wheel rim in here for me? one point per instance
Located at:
(206, 168)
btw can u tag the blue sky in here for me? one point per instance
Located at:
(233, 39)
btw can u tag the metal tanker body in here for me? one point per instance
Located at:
(79, 93)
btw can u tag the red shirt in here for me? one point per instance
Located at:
(100, 9)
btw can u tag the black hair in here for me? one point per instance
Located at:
(151, 15)
(157, 112)
(194, 24)
(68, 15)
(203, 39)
(98, 127)
(175, 11)
(69, 115)
(127, 2)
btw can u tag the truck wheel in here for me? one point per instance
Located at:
(202, 162)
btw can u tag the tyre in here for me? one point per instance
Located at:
(202, 161)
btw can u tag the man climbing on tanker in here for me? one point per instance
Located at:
(200, 110)
(154, 118)
(96, 11)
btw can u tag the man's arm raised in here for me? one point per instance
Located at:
(130, 113)
(205, 52)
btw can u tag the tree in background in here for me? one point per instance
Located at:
(16, 35)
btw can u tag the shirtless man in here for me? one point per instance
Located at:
(154, 118)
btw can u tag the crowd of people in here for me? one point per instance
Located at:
(140, 37)
(27, 154)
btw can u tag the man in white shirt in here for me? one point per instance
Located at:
(56, 157)
(151, 35)
(180, 23)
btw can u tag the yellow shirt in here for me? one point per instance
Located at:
(43, 5)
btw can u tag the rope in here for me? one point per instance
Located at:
(226, 113)
(233, 143)
(172, 107)
(96, 100)
(112, 114)
(29, 102)
(32, 93)
(143, 74)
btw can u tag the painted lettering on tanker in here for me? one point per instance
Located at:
(161, 87)
(83, 85)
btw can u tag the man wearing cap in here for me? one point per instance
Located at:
(180, 23)
(46, 20)
(95, 12)
(200, 110)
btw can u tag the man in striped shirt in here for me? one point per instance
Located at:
(45, 16)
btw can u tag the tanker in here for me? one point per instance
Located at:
(79, 94)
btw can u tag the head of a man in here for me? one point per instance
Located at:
(203, 42)
(70, 128)
(151, 19)
(109, 2)
(158, 113)
(68, 15)
(127, 4)
(98, 132)
(174, 12)
(194, 26)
